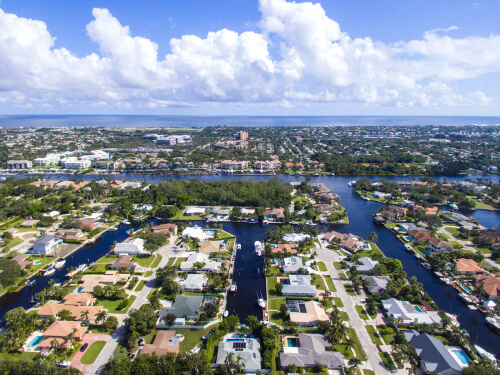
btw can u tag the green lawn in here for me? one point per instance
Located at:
(140, 286)
(191, 337)
(271, 286)
(363, 313)
(349, 289)
(336, 265)
(112, 305)
(388, 362)
(374, 335)
(342, 276)
(156, 261)
(344, 316)
(92, 352)
(321, 266)
(442, 339)
(43, 262)
(178, 261)
(483, 249)
(4, 354)
(171, 262)
(318, 281)
(330, 283)
(275, 304)
(338, 302)
(276, 318)
(360, 353)
(149, 273)
(13, 242)
(344, 350)
(387, 334)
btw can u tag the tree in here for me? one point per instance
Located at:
(9, 271)
(84, 315)
(65, 315)
(279, 288)
(101, 316)
(373, 237)
(111, 323)
(284, 311)
(235, 214)
(170, 319)
(210, 309)
(253, 322)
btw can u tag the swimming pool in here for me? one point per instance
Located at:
(292, 342)
(460, 354)
(34, 343)
(211, 232)
(466, 288)
(418, 309)
(366, 246)
(37, 262)
(235, 340)
(79, 289)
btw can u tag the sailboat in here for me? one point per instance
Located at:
(261, 302)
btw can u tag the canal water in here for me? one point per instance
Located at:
(248, 268)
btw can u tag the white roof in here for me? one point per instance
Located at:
(196, 232)
(408, 313)
(295, 237)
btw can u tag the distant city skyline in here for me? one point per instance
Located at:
(241, 57)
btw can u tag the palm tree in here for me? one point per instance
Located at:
(253, 322)
(230, 361)
(240, 363)
(101, 316)
(480, 289)
(54, 343)
(84, 316)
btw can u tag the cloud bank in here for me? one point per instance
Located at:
(313, 62)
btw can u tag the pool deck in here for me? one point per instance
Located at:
(29, 340)
(452, 349)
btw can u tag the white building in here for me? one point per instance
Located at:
(196, 232)
(18, 164)
(133, 246)
(99, 155)
(295, 237)
(132, 184)
(409, 313)
(46, 244)
(73, 163)
(49, 159)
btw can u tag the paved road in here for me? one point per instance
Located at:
(374, 362)
(141, 299)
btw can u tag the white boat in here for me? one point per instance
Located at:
(81, 268)
(438, 274)
(226, 314)
(60, 264)
(465, 298)
(251, 171)
(238, 246)
(126, 222)
(408, 247)
(261, 302)
(493, 322)
(233, 287)
(445, 280)
(350, 183)
(294, 223)
(113, 228)
(453, 319)
(427, 266)
(484, 354)
(365, 198)
(49, 271)
(316, 175)
(258, 248)
(418, 256)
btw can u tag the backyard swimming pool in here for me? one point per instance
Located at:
(34, 343)
(292, 342)
(418, 309)
(36, 262)
(460, 354)
(235, 340)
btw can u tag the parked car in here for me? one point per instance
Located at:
(84, 347)
(141, 341)
(131, 355)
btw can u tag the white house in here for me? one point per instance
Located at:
(195, 211)
(194, 282)
(49, 159)
(295, 237)
(409, 313)
(196, 232)
(73, 163)
(247, 348)
(133, 246)
(132, 184)
(209, 265)
(46, 244)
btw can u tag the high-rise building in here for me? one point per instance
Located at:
(242, 136)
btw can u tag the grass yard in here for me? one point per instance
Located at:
(321, 266)
(271, 286)
(483, 249)
(374, 335)
(349, 289)
(4, 354)
(342, 276)
(345, 351)
(387, 334)
(178, 261)
(275, 304)
(111, 306)
(344, 316)
(442, 339)
(92, 352)
(140, 286)
(171, 262)
(141, 260)
(338, 302)
(364, 314)
(149, 273)
(276, 318)
(43, 262)
(360, 353)
(13, 242)
(336, 265)
(318, 281)
(388, 362)
(156, 262)
(330, 283)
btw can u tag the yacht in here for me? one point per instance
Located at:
(427, 266)
(81, 268)
(484, 354)
(365, 198)
(465, 298)
(453, 319)
(294, 223)
(126, 222)
(350, 183)
(445, 280)
(316, 175)
(408, 247)
(226, 314)
(233, 288)
(261, 302)
(438, 274)
(493, 322)
(113, 228)
(258, 248)
(418, 256)
(238, 246)
(50, 271)
(59, 264)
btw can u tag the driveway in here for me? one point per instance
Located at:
(89, 338)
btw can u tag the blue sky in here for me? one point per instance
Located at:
(338, 57)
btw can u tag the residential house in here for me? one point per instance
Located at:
(29, 223)
(295, 237)
(312, 350)
(306, 313)
(123, 262)
(89, 281)
(194, 282)
(188, 306)
(131, 246)
(284, 248)
(275, 214)
(59, 330)
(164, 228)
(292, 264)
(468, 266)
(194, 211)
(129, 184)
(209, 247)
(299, 285)
(408, 313)
(87, 224)
(270, 164)
(204, 259)
(405, 227)
(380, 195)
(46, 244)
(437, 244)
(196, 232)
(376, 284)
(234, 164)
(164, 342)
(434, 357)
(420, 236)
(21, 260)
(247, 348)
(71, 234)
(367, 265)
(491, 285)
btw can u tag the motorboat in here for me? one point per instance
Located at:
(445, 280)
(126, 222)
(438, 274)
(251, 171)
(253, 221)
(427, 266)
(50, 271)
(418, 256)
(294, 223)
(226, 314)
(408, 248)
(238, 246)
(81, 268)
(484, 354)
(316, 175)
(493, 322)
(233, 288)
(465, 298)
(258, 248)
(365, 198)
(261, 302)
(113, 228)
(59, 264)
(351, 183)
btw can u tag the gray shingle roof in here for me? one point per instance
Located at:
(184, 305)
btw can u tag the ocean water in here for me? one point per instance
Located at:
(130, 121)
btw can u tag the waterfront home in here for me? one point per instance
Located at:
(71, 234)
(275, 214)
(89, 281)
(131, 246)
(409, 313)
(434, 356)
(123, 262)
(184, 306)
(306, 313)
(129, 184)
(367, 265)
(428, 210)
(164, 342)
(437, 245)
(247, 348)
(295, 237)
(292, 264)
(209, 247)
(18, 164)
(194, 211)
(233, 164)
(29, 223)
(46, 244)
(284, 248)
(346, 241)
(202, 259)
(376, 284)
(166, 228)
(468, 266)
(308, 350)
(21, 260)
(196, 232)
(380, 195)
(87, 224)
(491, 285)
(405, 227)
(59, 330)
(419, 236)
(299, 285)
(194, 282)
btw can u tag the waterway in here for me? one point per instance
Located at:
(248, 268)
